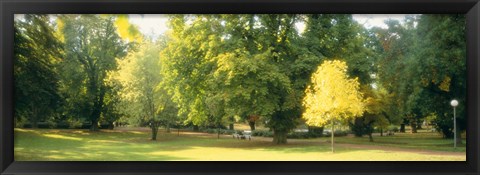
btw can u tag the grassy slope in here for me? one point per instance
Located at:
(134, 145)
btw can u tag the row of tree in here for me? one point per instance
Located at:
(209, 70)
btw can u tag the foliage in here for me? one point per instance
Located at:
(141, 97)
(37, 54)
(332, 96)
(91, 47)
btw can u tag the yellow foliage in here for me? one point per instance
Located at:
(126, 30)
(332, 95)
(445, 84)
(59, 34)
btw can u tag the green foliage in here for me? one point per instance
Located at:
(37, 53)
(263, 133)
(393, 128)
(423, 67)
(91, 47)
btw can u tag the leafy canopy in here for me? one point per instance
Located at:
(332, 95)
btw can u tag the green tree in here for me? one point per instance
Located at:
(92, 42)
(332, 97)
(37, 54)
(143, 100)
(441, 69)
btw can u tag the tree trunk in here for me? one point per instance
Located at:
(94, 126)
(419, 126)
(34, 118)
(111, 125)
(402, 127)
(97, 106)
(370, 137)
(218, 133)
(168, 127)
(332, 134)
(154, 131)
(195, 128)
(178, 131)
(381, 132)
(95, 116)
(413, 125)
(252, 125)
(279, 136)
(231, 127)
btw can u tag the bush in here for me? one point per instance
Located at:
(340, 133)
(298, 135)
(215, 131)
(20, 123)
(262, 133)
(74, 123)
(393, 128)
(303, 135)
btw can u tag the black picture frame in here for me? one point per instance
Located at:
(10, 7)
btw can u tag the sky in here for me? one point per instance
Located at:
(153, 25)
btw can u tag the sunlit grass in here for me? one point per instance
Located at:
(135, 145)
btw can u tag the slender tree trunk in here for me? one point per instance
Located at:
(218, 133)
(252, 125)
(34, 117)
(168, 128)
(231, 126)
(195, 128)
(279, 136)
(178, 131)
(381, 132)
(332, 134)
(154, 131)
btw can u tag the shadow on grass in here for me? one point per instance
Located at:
(46, 145)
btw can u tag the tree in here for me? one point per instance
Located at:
(92, 42)
(143, 97)
(373, 115)
(37, 54)
(441, 69)
(332, 97)
(395, 71)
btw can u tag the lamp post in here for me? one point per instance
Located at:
(454, 104)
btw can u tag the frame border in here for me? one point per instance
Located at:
(9, 7)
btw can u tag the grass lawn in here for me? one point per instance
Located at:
(131, 145)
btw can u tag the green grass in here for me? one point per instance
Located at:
(127, 145)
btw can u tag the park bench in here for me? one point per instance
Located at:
(243, 135)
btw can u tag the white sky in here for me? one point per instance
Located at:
(153, 25)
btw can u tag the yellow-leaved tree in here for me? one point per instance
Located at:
(332, 96)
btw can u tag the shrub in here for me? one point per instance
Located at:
(222, 131)
(392, 128)
(74, 123)
(262, 133)
(303, 135)
(340, 133)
